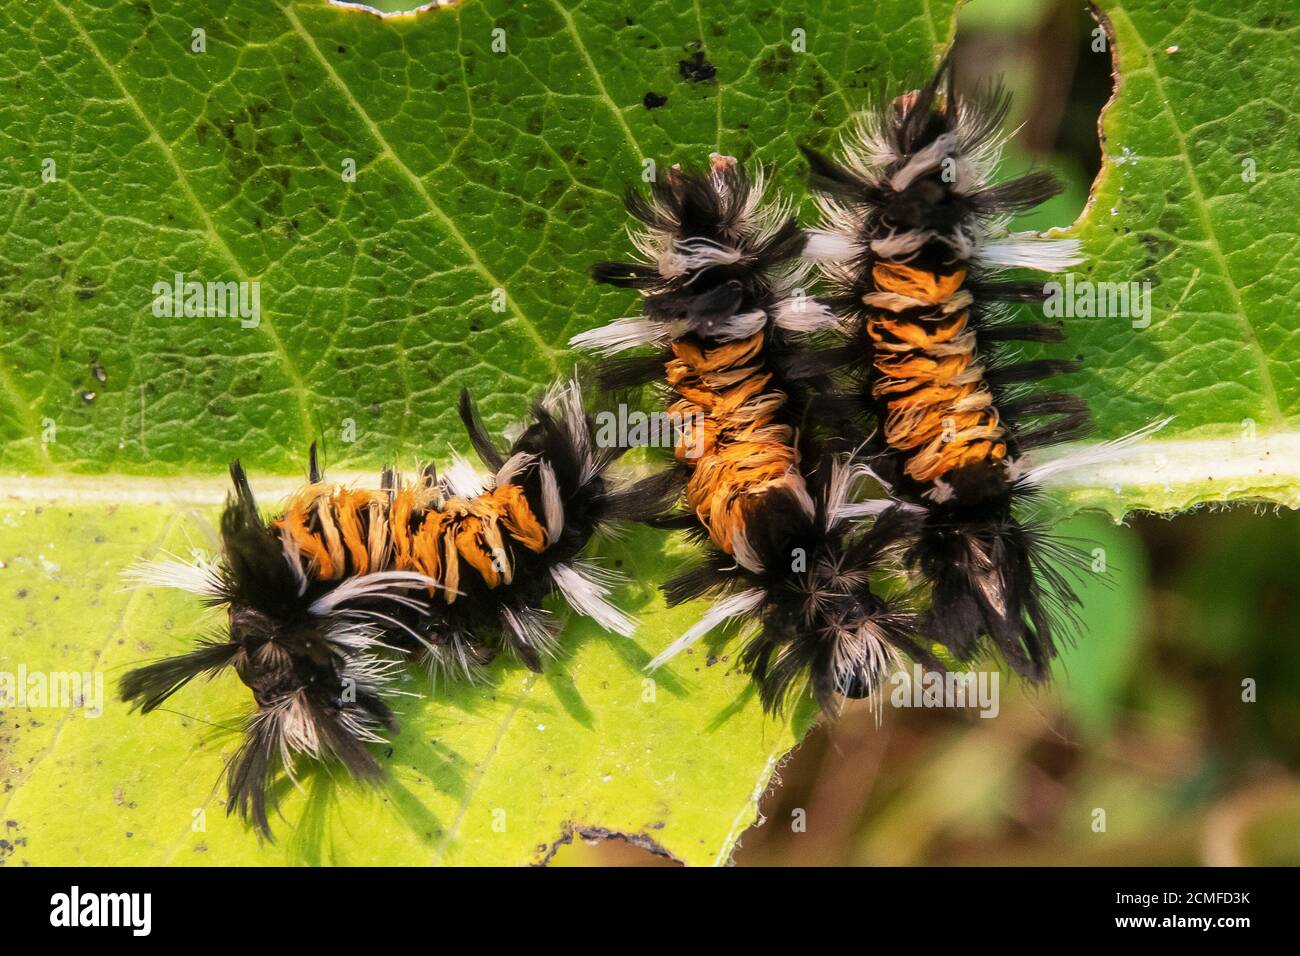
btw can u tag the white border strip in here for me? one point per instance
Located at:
(1266, 467)
(130, 490)
(390, 14)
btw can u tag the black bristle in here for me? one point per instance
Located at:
(148, 687)
(696, 581)
(1017, 195)
(630, 371)
(478, 433)
(1024, 332)
(647, 499)
(1031, 370)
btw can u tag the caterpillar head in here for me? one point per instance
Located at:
(803, 582)
(713, 248)
(915, 179)
(311, 653)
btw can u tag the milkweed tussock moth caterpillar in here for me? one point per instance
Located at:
(914, 245)
(719, 275)
(328, 599)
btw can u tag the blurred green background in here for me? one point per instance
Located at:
(1151, 719)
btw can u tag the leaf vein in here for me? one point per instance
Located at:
(447, 222)
(291, 369)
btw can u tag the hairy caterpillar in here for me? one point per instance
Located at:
(719, 277)
(913, 242)
(325, 600)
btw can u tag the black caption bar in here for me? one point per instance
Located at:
(336, 907)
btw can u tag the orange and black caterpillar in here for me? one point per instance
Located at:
(913, 242)
(719, 280)
(325, 600)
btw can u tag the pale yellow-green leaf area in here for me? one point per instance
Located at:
(489, 773)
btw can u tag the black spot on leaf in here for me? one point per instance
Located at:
(697, 69)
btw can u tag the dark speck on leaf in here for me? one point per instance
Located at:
(696, 69)
(653, 100)
(343, 49)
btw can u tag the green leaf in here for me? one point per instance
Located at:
(1198, 195)
(476, 172)
(494, 773)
